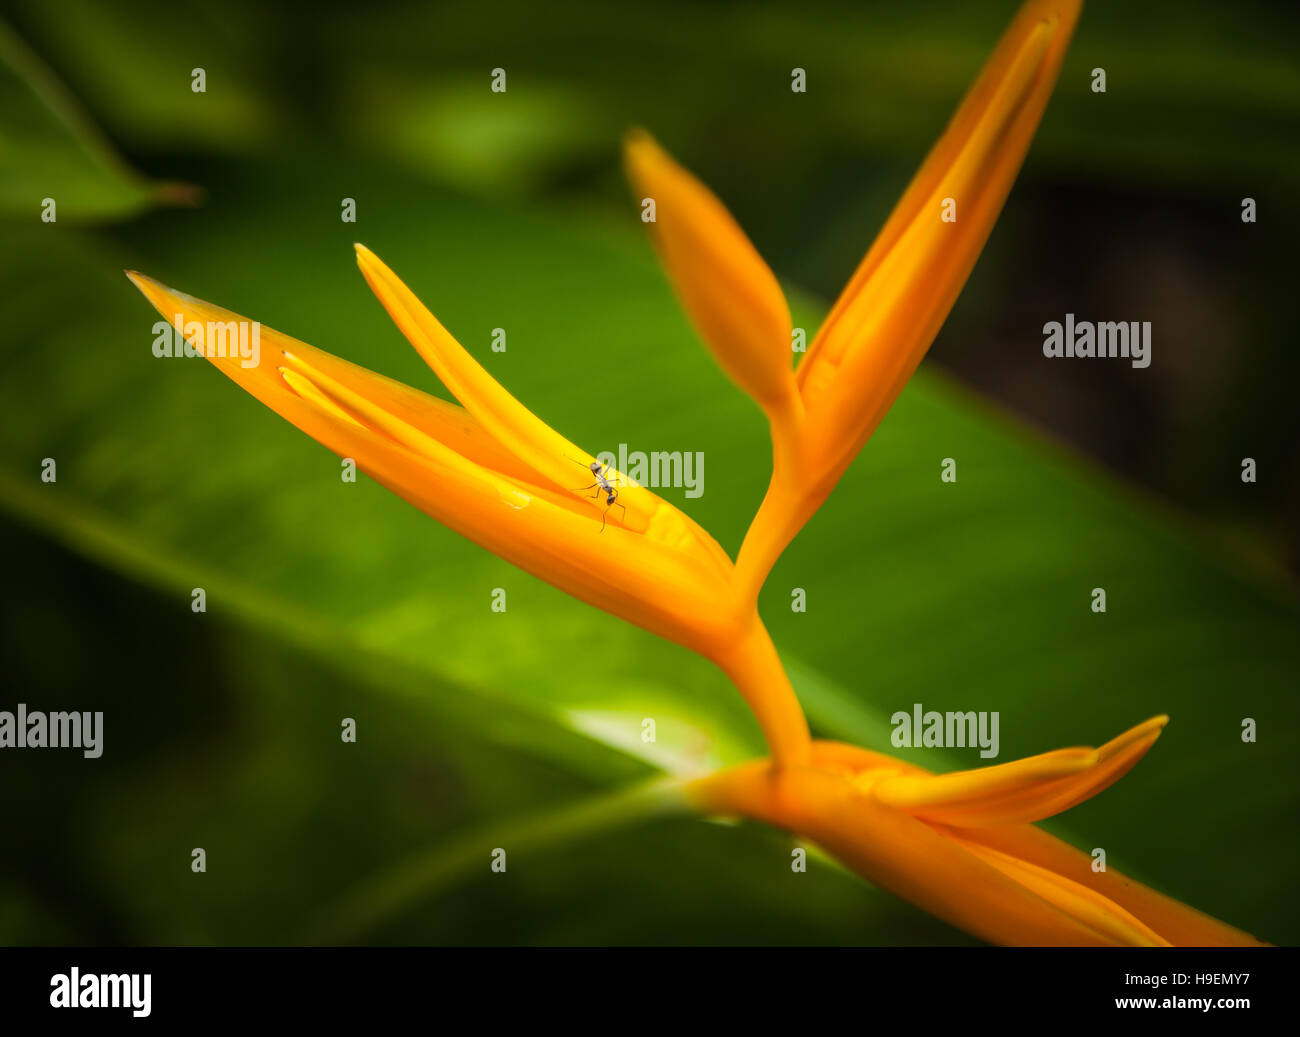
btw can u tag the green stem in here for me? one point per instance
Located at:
(420, 876)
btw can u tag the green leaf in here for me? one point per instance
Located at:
(50, 150)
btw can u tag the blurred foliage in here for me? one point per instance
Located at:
(329, 600)
(49, 150)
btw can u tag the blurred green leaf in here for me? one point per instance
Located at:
(495, 143)
(132, 65)
(225, 735)
(49, 149)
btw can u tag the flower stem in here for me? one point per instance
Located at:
(779, 516)
(755, 669)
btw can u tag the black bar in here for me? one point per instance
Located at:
(437, 985)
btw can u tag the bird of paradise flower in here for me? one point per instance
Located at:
(962, 846)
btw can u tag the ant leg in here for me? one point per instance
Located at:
(579, 489)
(605, 516)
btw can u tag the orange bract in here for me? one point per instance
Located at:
(956, 844)
(895, 302)
(497, 474)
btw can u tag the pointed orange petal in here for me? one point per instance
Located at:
(1087, 905)
(724, 285)
(1045, 891)
(1020, 791)
(354, 406)
(1174, 921)
(520, 431)
(897, 852)
(267, 381)
(545, 532)
(899, 297)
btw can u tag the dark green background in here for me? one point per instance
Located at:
(479, 729)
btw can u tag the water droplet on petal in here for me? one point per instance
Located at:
(517, 499)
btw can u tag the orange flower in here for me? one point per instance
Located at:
(960, 845)
(497, 474)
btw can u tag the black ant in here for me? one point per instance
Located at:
(601, 485)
